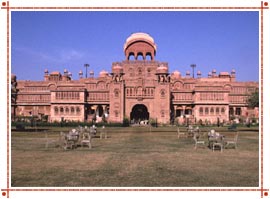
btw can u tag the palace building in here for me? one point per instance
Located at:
(139, 88)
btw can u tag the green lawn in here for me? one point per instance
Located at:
(134, 157)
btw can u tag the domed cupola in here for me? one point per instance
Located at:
(103, 73)
(117, 69)
(176, 74)
(140, 44)
(117, 72)
(162, 69)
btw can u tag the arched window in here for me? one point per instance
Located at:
(201, 110)
(222, 110)
(61, 110)
(162, 93)
(72, 110)
(148, 56)
(67, 110)
(162, 114)
(212, 111)
(217, 110)
(131, 56)
(139, 71)
(78, 110)
(140, 56)
(206, 111)
(116, 93)
(55, 110)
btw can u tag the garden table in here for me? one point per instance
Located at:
(214, 138)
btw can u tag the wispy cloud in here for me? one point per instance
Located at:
(61, 56)
(70, 55)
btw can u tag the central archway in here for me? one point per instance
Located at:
(139, 113)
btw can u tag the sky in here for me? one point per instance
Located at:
(58, 40)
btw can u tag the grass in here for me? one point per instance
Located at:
(134, 157)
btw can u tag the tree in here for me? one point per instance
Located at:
(14, 92)
(253, 99)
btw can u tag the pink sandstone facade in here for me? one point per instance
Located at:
(139, 88)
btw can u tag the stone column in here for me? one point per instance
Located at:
(103, 108)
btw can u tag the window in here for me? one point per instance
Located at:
(131, 56)
(116, 93)
(217, 110)
(212, 111)
(201, 111)
(61, 110)
(206, 111)
(140, 71)
(231, 111)
(162, 93)
(128, 92)
(55, 110)
(222, 110)
(162, 114)
(78, 110)
(238, 111)
(67, 110)
(72, 110)
(178, 113)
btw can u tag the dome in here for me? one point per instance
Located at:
(140, 44)
(117, 69)
(176, 74)
(55, 73)
(162, 69)
(224, 74)
(91, 72)
(140, 36)
(103, 73)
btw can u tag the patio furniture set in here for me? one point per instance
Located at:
(77, 137)
(214, 140)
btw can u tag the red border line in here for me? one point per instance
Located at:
(135, 189)
(8, 92)
(133, 8)
(262, 194)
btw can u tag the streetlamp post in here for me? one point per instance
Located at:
(86, 66)
(193, 66)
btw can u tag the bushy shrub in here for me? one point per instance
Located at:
(125, 122)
